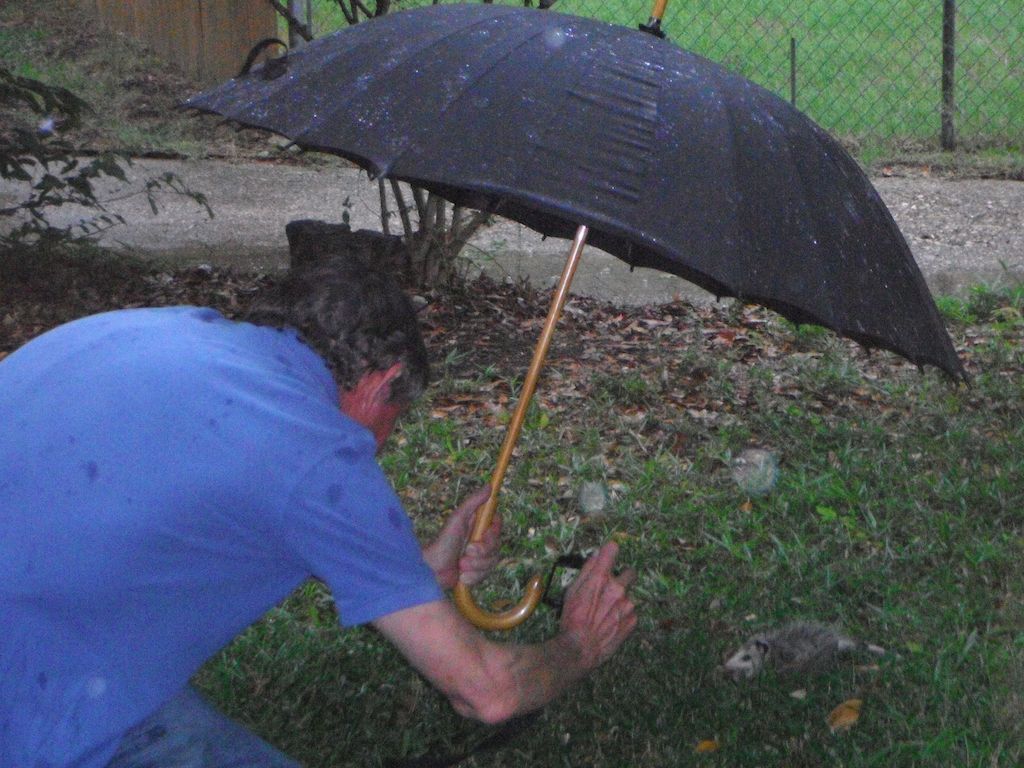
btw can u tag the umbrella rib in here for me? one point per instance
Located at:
(573, 89)
(494, 65)
(808, 193)
(397, 64)
(732, 288)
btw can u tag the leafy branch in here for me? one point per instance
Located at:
(56, 174)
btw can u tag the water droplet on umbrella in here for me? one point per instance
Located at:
(554, 38)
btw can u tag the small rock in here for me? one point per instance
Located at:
(593, 498)
(755, 471)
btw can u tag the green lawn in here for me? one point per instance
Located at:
(897, 515)
(868, 72)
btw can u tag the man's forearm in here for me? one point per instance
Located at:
(492, 681)
(484, 680)
(537, 674)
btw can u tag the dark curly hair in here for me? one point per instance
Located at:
(355, 317)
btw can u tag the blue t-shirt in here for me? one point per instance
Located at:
(166, 476)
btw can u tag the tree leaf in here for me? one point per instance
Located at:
(706, 745)
(845, 716)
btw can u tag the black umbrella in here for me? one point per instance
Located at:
(654, 154)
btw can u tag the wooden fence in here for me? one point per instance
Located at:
(205, 39)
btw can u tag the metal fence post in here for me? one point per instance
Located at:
(948, 75)
(792, 71)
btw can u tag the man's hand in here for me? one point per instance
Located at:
(493, 682)
(451, 559)
(597, 614)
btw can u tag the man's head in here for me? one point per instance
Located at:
(363, 326)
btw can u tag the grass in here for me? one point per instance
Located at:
(897, 515)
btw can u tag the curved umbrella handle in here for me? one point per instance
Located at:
(534, 588)
(463, 597)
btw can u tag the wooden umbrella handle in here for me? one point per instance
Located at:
(534, 588)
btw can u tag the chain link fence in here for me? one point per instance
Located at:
(872, 72)
(904, 75)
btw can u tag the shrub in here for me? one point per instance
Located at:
(53, 169)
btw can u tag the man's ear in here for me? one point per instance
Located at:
(382, 382)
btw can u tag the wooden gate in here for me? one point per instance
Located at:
(205, 39)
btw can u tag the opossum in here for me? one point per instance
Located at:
(797, 648)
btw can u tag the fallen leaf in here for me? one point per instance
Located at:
(845, 716)
(707, 745)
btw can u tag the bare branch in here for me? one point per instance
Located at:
(440, 212)
(429, 218)
(358, 6)
(403, 210)
(293, 23)
(466, 231)
(385, 226)
(426, 238)
(421, 202)
(352, 8)
(478, 220)
(350, 15)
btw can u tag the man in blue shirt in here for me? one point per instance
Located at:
(167, 475)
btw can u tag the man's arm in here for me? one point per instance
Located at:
(493, 682)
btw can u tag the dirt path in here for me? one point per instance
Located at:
(961, 232)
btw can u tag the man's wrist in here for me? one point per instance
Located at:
(574, 649)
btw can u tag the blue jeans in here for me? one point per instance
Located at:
(188, 733)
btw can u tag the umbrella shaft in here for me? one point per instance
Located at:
(484, 515)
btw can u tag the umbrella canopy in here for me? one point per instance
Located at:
(657, 156)
(671, 161)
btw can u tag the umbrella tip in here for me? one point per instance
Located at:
(653, 27)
